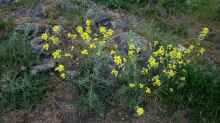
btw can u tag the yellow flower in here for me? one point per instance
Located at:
(44, 36)
(88, 22)
(201, 51)
(171, 66)
(203, 33)
(63, 75)
(56, 28)
(131, 46)
(114, 72)
(102, 29)
(60, 68)
(152, 62)
(45, 46)
(68, 55)
(175, 54)
(139, 111)
(156, 81)
(79, 29)
(205, 30)
(131, 53)
(56, 54)
(109, 33)
(92, 46)
(117, 60)
(85, 36)
(71, 36)
(131, 85)
(145, 71)
(55, 40)
(84, 52)
(147, 90)
(170, 73)
(159, 52)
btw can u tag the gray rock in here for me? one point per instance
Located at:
(66, 5)
(141, 42)
(47, 65)
(98, 17)
(120, 24)
(6, 1)
(36, 44)
(38, 12)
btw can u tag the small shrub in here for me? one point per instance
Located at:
(18, 88)
(108, 74)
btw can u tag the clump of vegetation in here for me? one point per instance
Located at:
(18, 88)
(108, 74)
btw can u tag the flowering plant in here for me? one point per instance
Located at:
(106, 76)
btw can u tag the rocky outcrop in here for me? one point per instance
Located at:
(141, 42)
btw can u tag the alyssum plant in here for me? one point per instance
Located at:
(108, 75)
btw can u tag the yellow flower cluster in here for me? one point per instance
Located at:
(84, 52)
(45, 47)
(176, 54)
(140, 111)
(131, 49)
(145, 71)
(44, 36)
(56, 54)
(55, 40)
(204, 33)
(56, 29)
(152, 62)
(85, 34)
(142, 86)
(106, 32)
(159, 52)
(71, 36)
(162, 65)
(114, 72)
(92, 46)
(156, 81)
(92, 43)
(117, 60)
(170, 73)
(61, 69)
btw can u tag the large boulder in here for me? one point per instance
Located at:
(121, 40)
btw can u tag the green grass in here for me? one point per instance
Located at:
(200, 93)
(21, 91)
(18, 88)
(158, 31)
(16, 50)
